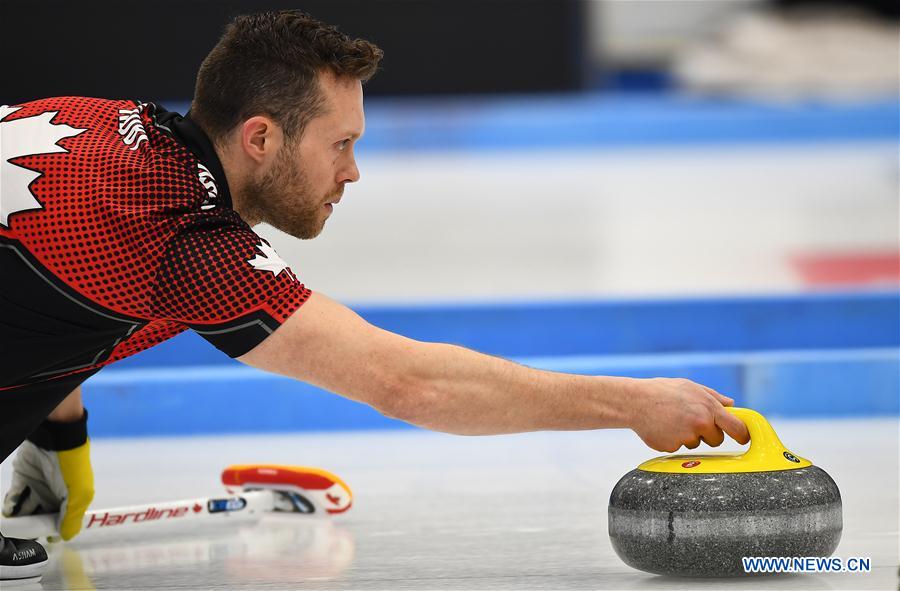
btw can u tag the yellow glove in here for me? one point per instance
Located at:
(52, 474)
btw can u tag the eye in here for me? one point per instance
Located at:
(342, 145)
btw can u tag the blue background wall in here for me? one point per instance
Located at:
(824, 355)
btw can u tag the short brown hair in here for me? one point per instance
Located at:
(268, 63)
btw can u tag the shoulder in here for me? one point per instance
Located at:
(85, 113)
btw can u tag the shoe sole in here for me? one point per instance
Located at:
(21, 573)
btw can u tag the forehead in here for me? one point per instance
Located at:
(343, 103)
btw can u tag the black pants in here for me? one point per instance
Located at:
(22, 410)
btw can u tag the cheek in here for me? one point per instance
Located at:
(324, 172)
(315, 170)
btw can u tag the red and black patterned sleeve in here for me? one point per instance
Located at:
(222, 280)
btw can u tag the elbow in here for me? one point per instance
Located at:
(409, 400)
(423, 404)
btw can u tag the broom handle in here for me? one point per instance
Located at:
(248, 505)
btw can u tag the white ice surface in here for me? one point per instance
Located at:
(435, 511)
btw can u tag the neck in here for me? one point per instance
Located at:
(238, 176)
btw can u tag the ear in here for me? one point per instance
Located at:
(261, 138)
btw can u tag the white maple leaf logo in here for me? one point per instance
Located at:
(27, 136)
(268, 260)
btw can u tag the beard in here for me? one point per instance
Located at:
(283, 198)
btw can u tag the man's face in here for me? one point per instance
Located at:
(297, 193)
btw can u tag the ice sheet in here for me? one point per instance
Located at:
(435, 511)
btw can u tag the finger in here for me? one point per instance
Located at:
(70, 524)
(712, 435)
(10, 503)
(21, 502)
(75, 466)
(693, 444)
(724, 400)
(732, 425)
(73, 510)
(72, 513)
(665, 448)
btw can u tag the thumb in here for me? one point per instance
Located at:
(732, 425)
(75, 465)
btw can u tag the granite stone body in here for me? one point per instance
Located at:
(702, 524)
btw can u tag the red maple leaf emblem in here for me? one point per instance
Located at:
(198, 507)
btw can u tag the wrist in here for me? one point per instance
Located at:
(61, 436)
(620, 400)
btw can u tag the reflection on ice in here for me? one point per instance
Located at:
(280, 549)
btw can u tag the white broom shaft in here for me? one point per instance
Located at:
(248, 505)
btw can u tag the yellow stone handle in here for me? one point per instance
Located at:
(765, 447)
(766, 453)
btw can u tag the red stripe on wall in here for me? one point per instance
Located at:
(849, 268)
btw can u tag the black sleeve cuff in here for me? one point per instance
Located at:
(240, 336)
(54, 436)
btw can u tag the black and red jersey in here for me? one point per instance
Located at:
(117, 233)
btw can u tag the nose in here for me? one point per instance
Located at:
(350, 172)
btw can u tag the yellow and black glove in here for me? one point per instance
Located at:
(52, 474)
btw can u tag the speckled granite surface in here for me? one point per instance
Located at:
(702, 524)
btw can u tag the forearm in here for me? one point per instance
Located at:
(460, 391)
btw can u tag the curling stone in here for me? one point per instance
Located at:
(698, 515)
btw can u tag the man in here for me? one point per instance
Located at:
(123, 224)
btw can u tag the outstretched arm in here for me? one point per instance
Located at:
(456, 390)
